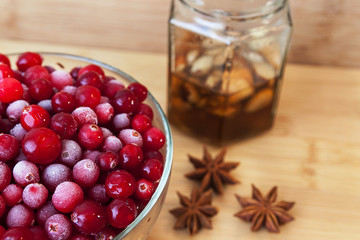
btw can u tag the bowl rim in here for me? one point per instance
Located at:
(165, 178)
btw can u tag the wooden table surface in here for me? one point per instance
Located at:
(312, 153)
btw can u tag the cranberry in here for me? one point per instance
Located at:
(64, 124)
(26, 95)
(85, 115)
(121, 121)
(34, 116)
(15, 109)
(70, 153)
(120, 183)
(86, 173)
(12, 195)
(145, 109)
(41, 145)
(107, 233)
(121, 212)
(75, 72)
(63, 102)
(90, 136)
(144, 189)
(3, 107)
(41, 89)
(105, 113)
(10, 90)
(87, 96)
(112, 143)
(67, 196)
(9, 147)
(112, 87)
(25, 172)
(58, 226)
(46, 104)
(60, 79)
(20, 216)
(17, 233)
(139, 90)
(35, 72)
(106, 132)
(152, 169)
(46, 211)
(27, 60)
(154, 139)
(125, 101)
(54, 174)
(90, 79)
(50, 69)
(6, 72)
(5, 174)
(89, 217)
(93, 68)
(90, 154)
(107, 161)
(131, 157)
(69, 89)
(35, 195)
(141, 123)
(4, 60)
(5, 126)
(38, 233)
(154, 154)
(98, 194)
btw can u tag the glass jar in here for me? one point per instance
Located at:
(226, 61)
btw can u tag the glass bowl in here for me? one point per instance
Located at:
(141, 226)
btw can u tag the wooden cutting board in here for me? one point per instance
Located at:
(312, 153)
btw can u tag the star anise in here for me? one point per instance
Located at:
(212, 172)
(265, 211)
(195, 212)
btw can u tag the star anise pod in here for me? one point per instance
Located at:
(260, 210)
(195, 212)
(212, 172)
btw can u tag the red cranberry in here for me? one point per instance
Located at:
(154, 139)
(54, 174)
(90, 79)
(125, 101)
(25, 172)
(87, 96)
(98, 194)
(154, 154)
(64, 124)
(105, 113)
(84, 115)
(60, 79)
(28, 59)
(12, 195)
(121, 212)
(10, 90)
(58, 226)
(63, 102)
(41, 145)
(93, 68)
(67, 196)
(9, 147)
(112, 87)
(139, 90)
(90, 136)
(4, 60)
(145, 109)
(75, 72)
(20, 216)
(46, 211)
(107, 161)
(34, 116)
(86, 173)
(89, 217)
(5, 174)
(6, 72)
(17, 233)
(41, 89)
(35, 72)
(120, 183)
(144, 189)
(152, 169)
(26, 95)
(141, 123)
(35, 195)
(131, 157)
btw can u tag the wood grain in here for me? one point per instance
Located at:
(312, 153)
(326, 31)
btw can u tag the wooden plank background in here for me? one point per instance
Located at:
(326, 32)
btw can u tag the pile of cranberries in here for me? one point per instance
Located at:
(79, 156)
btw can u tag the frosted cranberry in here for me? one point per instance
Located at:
(89, 217)
(20, 216)
(90, 79)
(79, 236)
(15, 109)
(9, 147)
(106, 132)
(66, 196)
(60, 79)
(2, 205)
(34, 116)
(43, 213)
(25, 172)
(131, 136)
(154, 139)
(121, 212)
(35, 195)
(111, 87)
(6, 72)
(70, 153)
(90, 136)
(154, 154)
(57, 227)
(86, 173)
(107, 161)
(10, 90)
(131, 157)
(90, 154)
(125, 101)
(87, 96)
(5, 176)
(98, 194)
(85, 115)
(120, 183)
(93, 68)
(35, 72)
(4, 60)
(41, 89)
(64, 124)
(105, 113)
(144, 189)
(75, 72)
(41, 145)
(121, 121)
(145, 109)
(47, 105)
(12, 195)
(17, 233)
(141, 123)
(139, 90)
(63, 102)
(28, 59)
(38, 233)
(106, 234)
(69, 89)
(6, 125)
(152, 169)
(54, 174)
(112, 143)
